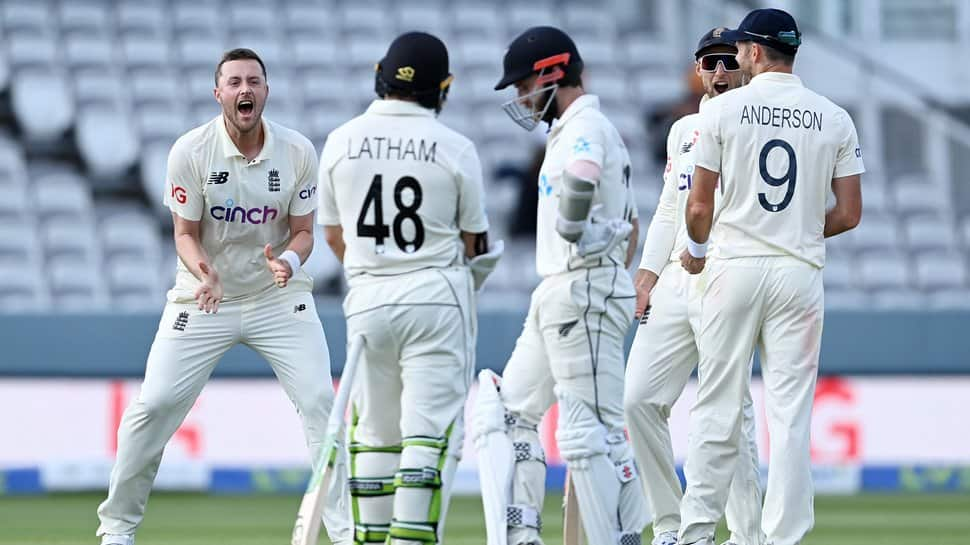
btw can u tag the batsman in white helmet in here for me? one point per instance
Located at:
(402, 205)
(664, 351)
(571, 346)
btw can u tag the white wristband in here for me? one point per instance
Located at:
(695, 249)
(292, 258)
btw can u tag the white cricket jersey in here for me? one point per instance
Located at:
(777, 146)
(242, 205)
(667, 235)
(402, 186)
(582, 134)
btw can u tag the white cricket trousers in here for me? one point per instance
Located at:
(775, 303)
(663, 355)
(279, 324)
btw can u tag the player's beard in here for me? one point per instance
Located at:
(248, 124)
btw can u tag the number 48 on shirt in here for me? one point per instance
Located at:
(378, 230)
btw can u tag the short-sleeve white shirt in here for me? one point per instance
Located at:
(402, 186)
(242, 204)
(777, 146)
(583, 133)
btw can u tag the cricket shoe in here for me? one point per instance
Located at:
(118, 539)
(665, 538)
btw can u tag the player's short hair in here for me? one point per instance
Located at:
(240, 53)
(776, 56)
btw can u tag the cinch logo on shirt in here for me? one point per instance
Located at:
(230, 213)
(308, 193)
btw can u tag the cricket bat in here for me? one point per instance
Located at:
(306, 531)
(572, 524)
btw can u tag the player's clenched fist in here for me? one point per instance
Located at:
(209, 293)
(693, 265)
(280, 268)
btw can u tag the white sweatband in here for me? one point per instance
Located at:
(292, 258)
(697, 250)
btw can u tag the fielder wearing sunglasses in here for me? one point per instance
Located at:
(727, 61)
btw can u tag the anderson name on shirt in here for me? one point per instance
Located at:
(781, 117)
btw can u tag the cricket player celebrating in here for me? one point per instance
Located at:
(240, 190)
(571, 346)
(401, 200)
(664, 351)
(778, 148)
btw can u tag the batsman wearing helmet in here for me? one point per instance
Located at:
(402, 205)
(571, 347)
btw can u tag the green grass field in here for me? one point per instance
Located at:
(192, 519)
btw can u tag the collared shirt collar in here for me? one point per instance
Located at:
(578, 105)
(229, 148)
(398, 107)
(777, 77)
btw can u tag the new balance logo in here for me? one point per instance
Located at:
(686, 147)
(181, 321)
(298, 308)
(566, 328)
(220, 177)
(273, 180)
(645, 316)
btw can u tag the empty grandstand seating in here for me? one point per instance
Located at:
(116, 82)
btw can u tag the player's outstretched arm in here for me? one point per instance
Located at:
(847, 212)
(190, 251)
(297, 251)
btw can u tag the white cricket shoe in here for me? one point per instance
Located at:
(118, 539)
(665, 538)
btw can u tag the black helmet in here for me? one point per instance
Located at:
(551, 55)
(415, 66)
(537, 48)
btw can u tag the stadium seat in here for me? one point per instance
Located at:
(941, 271)
(583, 17)
(84, 17)
(102, 88)
(325, 119)
(930, 233)
(838, 273)
(610, 85)
(30, 50)
(875, 233)
(875, 196)
(251, 20)
(108, 143)
(952, 299)
(476, 20)
(127, 277)
(60, 196)
(897, 299)
(362, 55)
(322, 87)
(272, 52)
(913, 197)
(887, 270)
(519, 17)
(74, 239)
(317, 53)
(647, 50)
(157, 122)
(192, 18)
(19, 243)
(422, 16)
(142, 19)
(131, 235)
(22, 15)
(42, 104)
(71, 275)
(483, 53)
(598, 55)
(309, 20)
(845, 299)
(365, 20)
(655, 88)
(156, 88)
(152, 52)
(22, 293)
(152, 167)
(200, 51)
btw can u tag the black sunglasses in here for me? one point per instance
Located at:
(709, 62)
